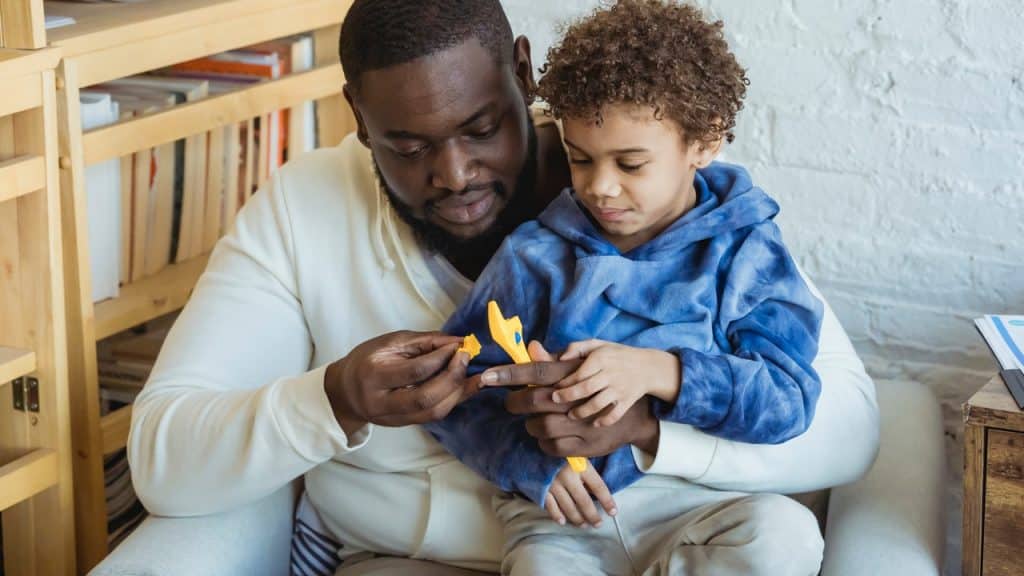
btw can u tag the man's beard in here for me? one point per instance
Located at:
(518, 209)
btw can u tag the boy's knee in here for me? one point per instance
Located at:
(785, 537)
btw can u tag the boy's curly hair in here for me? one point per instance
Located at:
(656, 53)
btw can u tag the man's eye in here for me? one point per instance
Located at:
(578, 161)
(413, 153)
(484, 134)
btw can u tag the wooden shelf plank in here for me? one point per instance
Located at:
(116, 40)
(28, 95)
(148, 298)
(23, 24)
(21, 176)
(27, 476)
(114, 428)
(19, 63)
(130, 136)
(15, 363)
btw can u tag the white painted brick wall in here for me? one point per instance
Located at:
(892, 133)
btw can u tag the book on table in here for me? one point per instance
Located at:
(1004, 335)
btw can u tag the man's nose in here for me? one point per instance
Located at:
(454, 168)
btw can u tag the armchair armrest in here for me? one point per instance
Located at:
(252, 540)
(891, 521)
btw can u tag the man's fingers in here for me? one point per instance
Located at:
(532, 374)
(553, 510)
(530, 401)
(550, 426)
(437, 411)
(430, 398)
(595, 484)
(402, 373)
(566, 504)
(414, 344)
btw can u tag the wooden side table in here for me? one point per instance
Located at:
(993, 537)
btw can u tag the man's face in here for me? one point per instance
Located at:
(450, 136)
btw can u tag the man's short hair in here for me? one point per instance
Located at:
(379, 34)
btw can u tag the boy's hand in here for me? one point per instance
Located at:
(614, 377)
(570, 493)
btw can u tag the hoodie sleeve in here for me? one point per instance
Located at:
(765, 390)
(480, 432)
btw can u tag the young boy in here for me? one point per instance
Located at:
(660, 267)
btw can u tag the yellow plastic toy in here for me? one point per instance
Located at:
(508, 333)
(471, 346)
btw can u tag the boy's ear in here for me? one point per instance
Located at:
(707, 152)
(361, 132)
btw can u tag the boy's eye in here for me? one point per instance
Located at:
(631, 167)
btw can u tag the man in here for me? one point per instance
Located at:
(286, 361)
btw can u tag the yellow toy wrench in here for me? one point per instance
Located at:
(508, 333)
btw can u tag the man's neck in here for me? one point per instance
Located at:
(552, 176)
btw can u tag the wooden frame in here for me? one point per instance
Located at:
(35, 444)
(22, 24)
(114, 41)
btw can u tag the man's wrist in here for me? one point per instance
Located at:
(648, 434)
(333, 379)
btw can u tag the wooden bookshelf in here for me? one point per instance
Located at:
(15, 363)
(35, 443)
(21, 24)
(111, 41)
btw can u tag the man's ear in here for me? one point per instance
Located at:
(522, 65)
(360, 125)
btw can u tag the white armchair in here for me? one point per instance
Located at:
(889, 522)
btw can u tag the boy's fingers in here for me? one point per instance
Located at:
(595, 405)
(599, 490)
(581, 349)
(553, 510)
(579, 390)
(537, 352)
(584, 503)
(616, 413)
(566, 504)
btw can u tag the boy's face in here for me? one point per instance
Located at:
(632, 172)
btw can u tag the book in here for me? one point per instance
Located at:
(1004, 335)
(103, 201)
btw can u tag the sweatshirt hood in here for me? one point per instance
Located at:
(727, 201)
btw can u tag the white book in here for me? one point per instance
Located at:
(1004, 334)
(103, 202)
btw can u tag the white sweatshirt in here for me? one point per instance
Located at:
(318, 263)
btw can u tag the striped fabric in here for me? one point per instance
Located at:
(314, 552)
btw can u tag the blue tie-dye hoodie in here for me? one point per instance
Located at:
(717, 288)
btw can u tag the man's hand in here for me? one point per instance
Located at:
(397, 379)
(570, 497)
(549, 422)
(614, 377)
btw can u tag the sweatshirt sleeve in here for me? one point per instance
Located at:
(233, 410)
(765, 390)
(838, 448)
(480, 432)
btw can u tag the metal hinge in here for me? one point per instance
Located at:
(26, 394)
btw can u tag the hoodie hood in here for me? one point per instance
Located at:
(727, 201)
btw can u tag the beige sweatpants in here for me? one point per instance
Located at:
(663, 526)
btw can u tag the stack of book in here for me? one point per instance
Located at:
(125, 362)
(171, 203)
